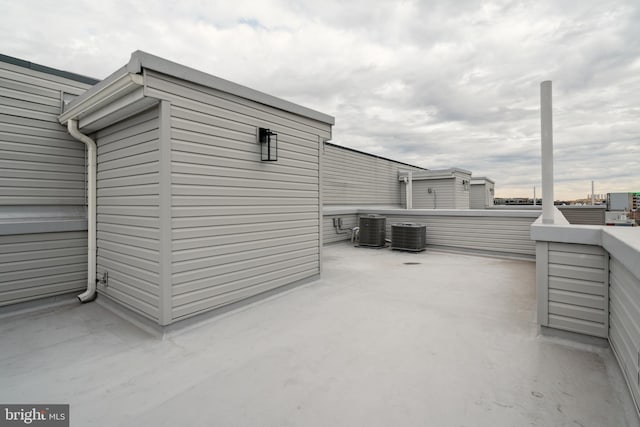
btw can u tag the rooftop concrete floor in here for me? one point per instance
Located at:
(384, 339)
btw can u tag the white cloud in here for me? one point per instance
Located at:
(436, 83)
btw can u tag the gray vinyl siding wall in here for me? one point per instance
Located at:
(477, 196)
(239, 226)
(461, 193)
(624, 311)
(329, 234)
(585, 215)
(128, 235)
(502, 233)
(41, 265)
(507, 236)
(441, 197)
(352, 178)
(577, 294)
(481, 196)
(41, 168)
(40, 163)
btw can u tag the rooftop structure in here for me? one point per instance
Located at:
(385, 338)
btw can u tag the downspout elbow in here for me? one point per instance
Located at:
(90, 293)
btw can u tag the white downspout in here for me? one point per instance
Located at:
(90, 293)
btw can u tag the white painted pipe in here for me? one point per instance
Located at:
(410, 191)
(90, 293)
(546, 119)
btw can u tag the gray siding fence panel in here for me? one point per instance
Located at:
(624, 312)
(128, 212)
(577, 294)
(40, 265)
(352, 178)
(500, 235)
(240, 227)
(586, 215)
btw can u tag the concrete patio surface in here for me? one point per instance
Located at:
(384, 339)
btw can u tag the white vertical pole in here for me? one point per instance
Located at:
(534, 195)
(410, 191)
(546, 119)
(593, 196)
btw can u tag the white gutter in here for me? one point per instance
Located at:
(90, 293)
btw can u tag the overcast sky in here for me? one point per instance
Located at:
(437, 84)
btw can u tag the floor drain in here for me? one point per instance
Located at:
(412, 263)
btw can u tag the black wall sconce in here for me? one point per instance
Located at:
(268, 144)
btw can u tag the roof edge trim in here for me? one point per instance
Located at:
(48, 70)
(141, 60)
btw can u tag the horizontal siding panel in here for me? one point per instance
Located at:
(274, 261)
(149, 200)
(130, 190)
(576, 312)
(23, 93)
(247, 165)
(243, 201)
(577, 298)
(129, 171)
(224, 171)
(578, 260)
(149, 144)
(135, 252)
(219, 103)
(144, 211)
(129, 181)
(244, 182)
(576, 248)
(577, 325)
(199, 211)
(212, 221)
(189, 291)
(229, 249)
(576, 285)
(245, 142)
(138, 242)
(132, 303)
(289, 158)
(236, 230)
(574, 272)
(40, 79)
(136, 296)
(128, 213)
(250, 254)
(239, 238)
(150, 157)
(37, 148)
(257, 285)
(41, 265)
(210, 190)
